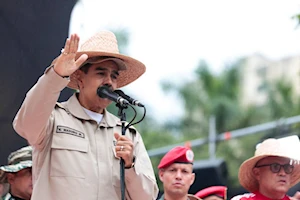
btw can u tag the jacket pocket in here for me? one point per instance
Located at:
(69, 156)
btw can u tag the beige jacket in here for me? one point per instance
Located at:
(74, 157)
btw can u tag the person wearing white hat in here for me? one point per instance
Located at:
(78, 143)
(272, 171)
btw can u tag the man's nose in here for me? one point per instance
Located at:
(108, 80)
(281, 171)
(178, 174)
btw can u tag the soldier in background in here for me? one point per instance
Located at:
(176, 174)
(4, 187)
(18, 174)
(213, 193)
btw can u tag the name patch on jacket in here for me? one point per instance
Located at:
(70, 131)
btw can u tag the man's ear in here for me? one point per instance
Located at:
(192, 178)
(10, 178)
(78, 74)
(161, 174)
(256, 173)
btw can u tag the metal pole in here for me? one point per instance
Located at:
(212, 137)
(230, 134)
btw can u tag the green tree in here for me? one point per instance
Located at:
(282, 101)
(297, 18)
(208, 95)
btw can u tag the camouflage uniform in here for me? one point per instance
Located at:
(8, 196)
(17, 161)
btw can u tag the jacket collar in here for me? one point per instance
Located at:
(9, 196)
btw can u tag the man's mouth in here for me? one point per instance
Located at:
(282, 181)
(178, 184)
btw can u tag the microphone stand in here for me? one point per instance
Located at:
(122, 116)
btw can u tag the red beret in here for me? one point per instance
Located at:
(213, 190)
(178, 154)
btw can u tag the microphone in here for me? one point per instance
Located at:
(106, 92)
(128, 98)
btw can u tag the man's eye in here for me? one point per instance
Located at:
(114, 77)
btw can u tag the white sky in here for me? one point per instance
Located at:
(171, 37)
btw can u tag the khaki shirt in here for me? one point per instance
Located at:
(74, 157)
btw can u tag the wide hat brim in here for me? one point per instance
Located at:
(134, 68)
(247, 178)
(13, 169)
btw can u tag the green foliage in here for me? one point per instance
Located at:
(235, 152)
(282, 99)
(208, 95)
(297, 18)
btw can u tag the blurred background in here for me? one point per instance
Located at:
(221, 75)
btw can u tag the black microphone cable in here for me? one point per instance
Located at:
(132, 102)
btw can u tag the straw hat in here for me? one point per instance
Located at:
(17, 161)
(104, 46)
(285, 147)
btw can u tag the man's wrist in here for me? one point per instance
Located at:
(132, 164)
(66, 77)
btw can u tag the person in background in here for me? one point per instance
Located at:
(4, 187)
(272, 171)
(176, 174)
(18, 174)
(213, 193)
(78, 144)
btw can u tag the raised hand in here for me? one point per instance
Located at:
(66, 64)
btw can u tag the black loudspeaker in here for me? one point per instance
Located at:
(209, 173)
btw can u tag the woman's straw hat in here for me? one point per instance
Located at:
(104, 46)
(287, 147)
